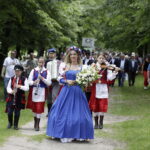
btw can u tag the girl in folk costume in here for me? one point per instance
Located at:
(39, 80)
(99, 97)
(16, 96)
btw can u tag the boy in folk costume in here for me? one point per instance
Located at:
(53, 67)
(16, 88)
(99, 97)
(39, 80)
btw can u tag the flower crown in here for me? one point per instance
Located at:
(78, 50)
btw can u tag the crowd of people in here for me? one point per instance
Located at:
(70, 109)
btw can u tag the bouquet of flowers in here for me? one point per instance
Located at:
(87, 76)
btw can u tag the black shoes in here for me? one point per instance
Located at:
(16, 128)
(100, 126)
(96, 127)
(36, 126)
(10, 121)
(9, 126)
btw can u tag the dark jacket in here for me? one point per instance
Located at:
(126, 64)
(89, 62)
(133, 69)
(115, 62)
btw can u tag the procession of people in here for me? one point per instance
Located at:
(71, 110)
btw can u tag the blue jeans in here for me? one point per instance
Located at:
(121, 78)
(6, 80)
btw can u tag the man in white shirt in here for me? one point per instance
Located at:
(123, 65)
(8, 70)
(133, 68)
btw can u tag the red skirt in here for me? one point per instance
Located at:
(38, 107)
(145, 78)
(101, 105)
(112, 82)
(29, 102)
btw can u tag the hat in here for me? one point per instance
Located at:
(52, 50)
(18, 67)
(133, 54)
(122, 54)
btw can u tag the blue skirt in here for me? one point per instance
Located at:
(70, 116)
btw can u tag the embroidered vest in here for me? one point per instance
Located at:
(43, 74)
(20, 94)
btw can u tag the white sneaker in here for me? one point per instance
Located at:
(145, 87)
(81, 140)
(66, 140)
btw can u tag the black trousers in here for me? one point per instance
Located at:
(131, 78)
(14, 110)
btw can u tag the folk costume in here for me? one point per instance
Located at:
(99, 97)
(37, 94)
(70, 117)
(112, 61)
(16, 101)
(53, 67)
(145, 73)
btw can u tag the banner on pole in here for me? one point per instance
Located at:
(88, 42)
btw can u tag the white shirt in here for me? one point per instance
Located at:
(52, 67)
(86, 61)
(133, 63)
(113, 60)
(62, 68)
(122, 64)
(24, 87)
(9, 63)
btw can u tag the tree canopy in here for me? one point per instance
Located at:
(28, 25)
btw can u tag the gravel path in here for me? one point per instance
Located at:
(25, 141)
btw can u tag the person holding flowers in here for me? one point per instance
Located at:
(99, 97)
(70, 117)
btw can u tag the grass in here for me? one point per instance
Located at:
(25, 117)
(131, 101)
(127, 101)
(39, 137)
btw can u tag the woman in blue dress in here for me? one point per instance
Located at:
(70, 117)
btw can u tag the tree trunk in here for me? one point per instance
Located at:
(3, 53)
(18, 48)
(40, 52)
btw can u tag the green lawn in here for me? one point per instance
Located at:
(26, 116)
(127, 101)
(131, 101)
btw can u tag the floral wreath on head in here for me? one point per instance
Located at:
(78, 50)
